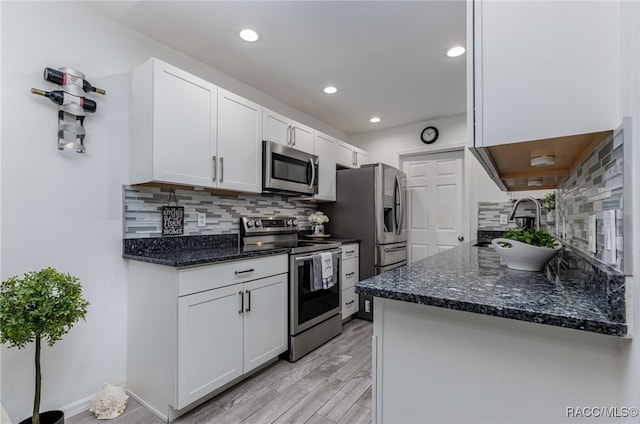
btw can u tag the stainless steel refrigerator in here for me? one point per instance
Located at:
(369, 206)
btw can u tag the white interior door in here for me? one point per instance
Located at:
(435, 203)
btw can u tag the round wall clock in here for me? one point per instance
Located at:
(429, 135)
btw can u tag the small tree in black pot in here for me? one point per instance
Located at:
(43, 305)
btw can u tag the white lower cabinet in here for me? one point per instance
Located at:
(194, 330)
(350, 276)
(210, 339)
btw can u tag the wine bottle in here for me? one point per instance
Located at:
(62, 98)
(62, 78)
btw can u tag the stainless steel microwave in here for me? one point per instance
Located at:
(288, 170)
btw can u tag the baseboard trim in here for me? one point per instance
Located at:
(77, 407)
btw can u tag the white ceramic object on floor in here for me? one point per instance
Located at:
(523, 256)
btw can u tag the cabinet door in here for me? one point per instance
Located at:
(350, 274)
(265, 320)
(349, 302)
(325, 148)
(184, 126)
(209, 342)
(344, 155)
(302, 138)
(239, 144)
(275, 127)
(362, 158)
(542, 72)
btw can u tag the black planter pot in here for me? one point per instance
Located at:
(49, 417)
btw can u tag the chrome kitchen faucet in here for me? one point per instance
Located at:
(513, 212)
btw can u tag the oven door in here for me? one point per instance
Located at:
(308, 308)
(288, 170)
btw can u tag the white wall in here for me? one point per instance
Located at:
(388, 145)
(63, 209)
(630, 106)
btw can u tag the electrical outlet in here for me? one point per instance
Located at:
(503, 219)
(367, 306)
(202, 219)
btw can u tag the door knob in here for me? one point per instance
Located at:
(460, 238)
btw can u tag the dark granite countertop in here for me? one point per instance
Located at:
(191, 250)
(572, 292)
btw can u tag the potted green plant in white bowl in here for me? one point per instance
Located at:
(526, 249)
(43, 305)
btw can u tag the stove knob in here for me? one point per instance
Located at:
(290, 223)
(258, 223)
(250, 223)
(295, 222)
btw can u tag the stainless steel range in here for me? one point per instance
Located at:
(314, 315)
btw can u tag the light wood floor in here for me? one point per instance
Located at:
(330, 385)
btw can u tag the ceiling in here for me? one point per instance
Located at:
(387, 58)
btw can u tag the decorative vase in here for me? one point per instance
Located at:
(318, 229)
(48, 417)
(551, 216)
(523, 256)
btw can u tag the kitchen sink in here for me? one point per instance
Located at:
(483, 244)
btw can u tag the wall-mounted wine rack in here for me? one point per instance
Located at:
(72, 103)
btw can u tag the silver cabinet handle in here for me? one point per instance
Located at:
(214, 169)
(241, 302)
(349, 274)
(289, 128)
(245, 271)
(460, 238)
(355, 159)
(350, 303)
(248, 301)
(221, 169)
(350, 251)
(293, 136)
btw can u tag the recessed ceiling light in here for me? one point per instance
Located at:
(330, 90)
(456, 51)
(249, 35)
(534, 182)
(543, 161)
(375, 120)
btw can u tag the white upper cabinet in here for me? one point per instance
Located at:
(239, 143)
(282, 130)
(541, 69)
(362, 157)
(350, 156)
(185, 130)
(324, 147)
(173, 126)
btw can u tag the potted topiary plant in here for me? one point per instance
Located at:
(43, 305)
(526, 249)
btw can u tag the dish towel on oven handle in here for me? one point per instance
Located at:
(323, 271)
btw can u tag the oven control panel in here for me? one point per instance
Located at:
(268, 224)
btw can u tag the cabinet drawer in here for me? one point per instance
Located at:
(350, 251)
(197, 279)
(349, 302)
(350, 272)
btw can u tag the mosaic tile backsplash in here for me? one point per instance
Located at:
(143, 205)
(594, 186)
(489, 215)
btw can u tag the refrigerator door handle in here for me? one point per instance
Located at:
(398, 212)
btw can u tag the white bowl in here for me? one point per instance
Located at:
(523, 256)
